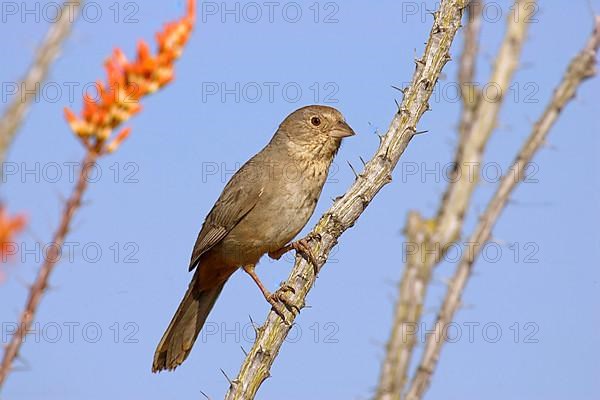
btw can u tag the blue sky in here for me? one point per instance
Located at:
(240, 75)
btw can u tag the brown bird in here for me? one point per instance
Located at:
(262, 208)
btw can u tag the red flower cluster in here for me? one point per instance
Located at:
(9, 227)
(127, 82)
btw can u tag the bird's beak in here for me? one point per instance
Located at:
(341, 130)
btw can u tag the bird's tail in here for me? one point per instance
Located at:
(177, 341)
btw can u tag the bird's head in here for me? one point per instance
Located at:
(315, 129)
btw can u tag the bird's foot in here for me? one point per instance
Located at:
(281, 298)
(278, 300)
(301, 247)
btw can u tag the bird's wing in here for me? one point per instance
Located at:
(238, 198)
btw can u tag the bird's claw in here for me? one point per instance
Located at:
(280, 298)
(286, 288)
(276, 306)
(301, 247)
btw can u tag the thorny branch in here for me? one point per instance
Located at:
(50, 260)
(582, 67)
(95, 127)
(428, 240)
(46, 54)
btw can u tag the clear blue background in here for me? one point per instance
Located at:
(340, 339)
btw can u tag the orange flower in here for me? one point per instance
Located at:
(127, 82)
(9, 227)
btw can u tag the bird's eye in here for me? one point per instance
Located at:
(316, 121)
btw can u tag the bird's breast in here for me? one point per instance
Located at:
(288, 201)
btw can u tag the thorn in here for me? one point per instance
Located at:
(205, 395)
(352, 168)
(363, 161)
(253, 325)
(244, 351)
(434, 14)
(428, 11)
(403, 91)
(398, 106)
(420, 132)
(226, 377)
(25, 366)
